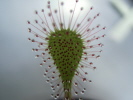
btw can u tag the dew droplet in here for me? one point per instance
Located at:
(36, 56)
(41, 64)
(76, 93)
(84, 80)
(52, 95)
(29, 30)
(84, 89)
(44, 61)
(47, 81)
(44, 74)
(82, 92)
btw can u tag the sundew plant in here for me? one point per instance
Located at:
(65, 43)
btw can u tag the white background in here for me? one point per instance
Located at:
(21, 77)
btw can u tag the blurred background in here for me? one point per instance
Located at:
(21, 77)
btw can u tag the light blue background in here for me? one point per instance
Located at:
(21, 77)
